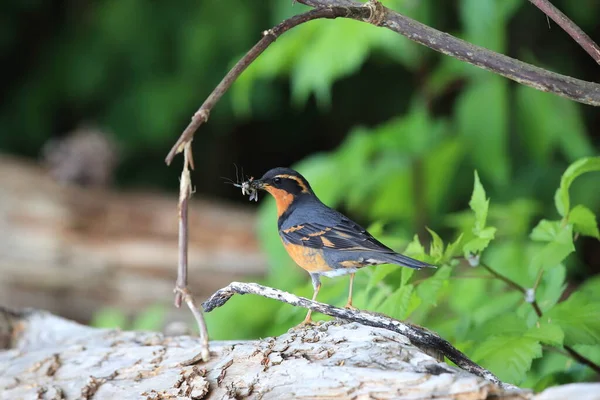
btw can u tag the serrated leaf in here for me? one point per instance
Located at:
(380, 273)
(591, 288)
(551, 287)
(475, 246)
(579, 167)
(556, 250)
(479, 204)
(509, 357)
(453, 248)
(415, 249)
(429, 289)
(546, 231)
(584, 221)
(437, 245)
(505, 324)
(405, 275)
(396, 305)
(546, 332)
(578, 316)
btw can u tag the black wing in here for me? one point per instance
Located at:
(343, 235)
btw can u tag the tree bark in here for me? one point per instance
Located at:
(52, 358)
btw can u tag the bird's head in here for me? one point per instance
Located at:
(285, 185)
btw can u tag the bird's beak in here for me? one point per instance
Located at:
(258, 184)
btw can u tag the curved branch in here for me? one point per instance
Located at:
(269, 36)
(375, 13)
(418, 336)
(570, 27)
(518, 71)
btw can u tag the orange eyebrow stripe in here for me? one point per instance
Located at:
(297, 180)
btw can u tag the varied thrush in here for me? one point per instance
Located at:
(319, 239)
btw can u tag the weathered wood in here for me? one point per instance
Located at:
(53, 358)
(72, 250)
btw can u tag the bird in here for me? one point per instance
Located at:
(321, 240)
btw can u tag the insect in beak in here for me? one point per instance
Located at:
(250, 187)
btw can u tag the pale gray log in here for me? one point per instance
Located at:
(53, 358)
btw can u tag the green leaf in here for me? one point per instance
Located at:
(578, 316)
(453, 249)
(509, 357)
(546, 231)
(506, 324)
(591, 288)
(559, 244)
(584, 221)
(479, 204)
(551, 287)
(415, 249)
(477, 245)
(547, 332)
(380, 273)
(429, 289)
(405, 275)
(579, 167)
(396, 305)
(437, 245)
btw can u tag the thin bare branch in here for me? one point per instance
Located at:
(570, 27)
(518, 71)
(269, 36)
(418, 336)
(181, 289)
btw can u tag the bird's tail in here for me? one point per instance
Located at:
(405, 261)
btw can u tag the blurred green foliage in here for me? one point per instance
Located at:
(411, 171)
(399, 129)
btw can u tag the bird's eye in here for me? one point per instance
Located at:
(276, 180)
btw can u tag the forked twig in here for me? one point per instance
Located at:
(181, 289)
(419, 336)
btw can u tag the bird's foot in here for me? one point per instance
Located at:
(349, 306)
(306, 323)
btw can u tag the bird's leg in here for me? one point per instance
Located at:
(349, 303)
(316, 286)
(308, 319)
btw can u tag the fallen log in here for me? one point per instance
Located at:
(48, 357)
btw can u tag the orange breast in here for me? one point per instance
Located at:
(310, 259)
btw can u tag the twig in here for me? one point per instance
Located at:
(536, 307)
(505, 279)
(570, 27)
(357, 11)
(419, 336)
(523, 73)
(518, 71)
(181, 289)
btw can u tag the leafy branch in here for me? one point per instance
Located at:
(578, 357)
